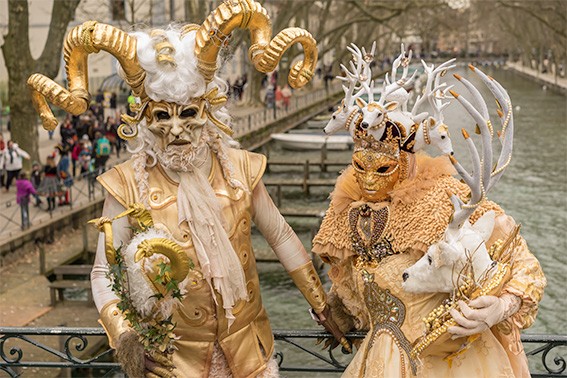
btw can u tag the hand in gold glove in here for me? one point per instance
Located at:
(482, 313)
(325, 319)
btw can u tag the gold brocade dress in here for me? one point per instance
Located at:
(370, 245)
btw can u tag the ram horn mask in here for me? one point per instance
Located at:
(82, 40)
(265, 53)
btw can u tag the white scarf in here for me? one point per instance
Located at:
(198, 205)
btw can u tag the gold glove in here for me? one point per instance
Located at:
(307, 281)
(113, 322)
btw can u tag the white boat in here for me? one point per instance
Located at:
(313, 141)
(317, 123)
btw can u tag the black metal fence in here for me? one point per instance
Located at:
(24, 350)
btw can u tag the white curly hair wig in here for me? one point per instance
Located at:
(170, 64)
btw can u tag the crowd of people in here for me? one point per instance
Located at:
(86, 143)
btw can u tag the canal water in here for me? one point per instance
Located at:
(533, 191)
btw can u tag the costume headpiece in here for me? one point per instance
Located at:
(91, 37)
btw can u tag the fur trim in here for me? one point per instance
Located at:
(130, 354)
(420, 209)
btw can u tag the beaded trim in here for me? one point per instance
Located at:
(426, 137)
(372, 247)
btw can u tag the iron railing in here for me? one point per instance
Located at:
(23, 350)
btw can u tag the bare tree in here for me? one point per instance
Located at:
(20, 65)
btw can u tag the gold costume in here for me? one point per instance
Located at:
(367, 291)
(201, 321)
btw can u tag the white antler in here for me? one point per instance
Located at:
(483, 177)
(433, 75)
(360, 73)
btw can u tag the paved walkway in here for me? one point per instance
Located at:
(548, 77)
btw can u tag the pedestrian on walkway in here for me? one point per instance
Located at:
(75, 152)
(64, 175)
(101, 151)
(24, 189)
(279, 97)
(50, 186)
(13, 160)
(2, 160)
(35, 178)
(85, 158)
(286, 97)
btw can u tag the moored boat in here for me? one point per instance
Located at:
(313, 141)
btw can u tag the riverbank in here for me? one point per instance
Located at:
(549, 80)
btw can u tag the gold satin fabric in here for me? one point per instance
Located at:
(249, 344)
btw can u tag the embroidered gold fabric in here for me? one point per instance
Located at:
(307, 281)
(387, 314)
(367, 227)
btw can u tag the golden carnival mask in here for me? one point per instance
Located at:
(376, 173)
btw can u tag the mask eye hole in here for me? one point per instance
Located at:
(334, 117)
(161, 115)
(357, 165)
(383, 169)
(429, 260)
(443, 137)
(188, 113)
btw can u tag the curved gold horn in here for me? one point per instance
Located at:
(179, 261)
(264, 53)
(82, 40)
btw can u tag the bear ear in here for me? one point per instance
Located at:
(361, 103)
(485, 225)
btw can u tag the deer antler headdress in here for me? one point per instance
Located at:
(91, 37)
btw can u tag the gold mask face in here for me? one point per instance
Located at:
(376, 174)
(176, 125)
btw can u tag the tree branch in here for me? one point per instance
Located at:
(530, 12)
(62, 13)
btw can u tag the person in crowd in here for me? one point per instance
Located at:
(279, 97)
(112, 135)
(112, 102)
(24, 189)
(65, 177)
(75, 152)
(67, 132)
(85, 158)
(13, 161)
(35, 178)
(50, 185)
(2, 161)
(286, 96)
(101, 152)
(99, 98)
(270, 97)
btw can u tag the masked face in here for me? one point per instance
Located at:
(376, 174)
(176, 125)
